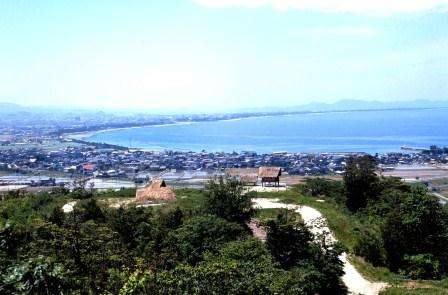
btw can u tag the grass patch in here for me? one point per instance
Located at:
(25, 209)
(121, 193)
(439, 181)
(375, 273)
(266, 215)
(339, 220)
(419, 288)
(189, 198)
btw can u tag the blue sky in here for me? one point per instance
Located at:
(221, 54)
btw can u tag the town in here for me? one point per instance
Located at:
(80, 159)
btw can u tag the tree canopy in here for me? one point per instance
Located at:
(226, 198)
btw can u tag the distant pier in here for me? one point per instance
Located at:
(412, 148)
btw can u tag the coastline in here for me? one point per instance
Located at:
(85, 136)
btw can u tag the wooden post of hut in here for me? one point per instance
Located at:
(270, 175)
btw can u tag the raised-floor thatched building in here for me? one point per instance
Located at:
(156, 192)
(270, 175)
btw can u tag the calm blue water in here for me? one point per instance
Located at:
(367, 131)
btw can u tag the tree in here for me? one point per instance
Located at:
(322, 187)
(288, 241)
(35, 276)
(418, 225)
(310, 259)
(57, 216)
(170, 218)
(360, 181)
(133, 225)
(370, 244)
(79, 190)
(226, 198)
(199, 234)
(91, 211)
(238, 267)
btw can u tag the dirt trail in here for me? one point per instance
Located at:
(354, 281)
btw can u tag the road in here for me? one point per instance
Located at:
(442, 198)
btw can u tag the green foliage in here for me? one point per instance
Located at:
(310, 257)
(121, 193)
(89, 210)
(226, 198)
(421, 266)
(417, 226)
(134, 226)
(80, 192)
(206, 278)
(199, 234)
(35, 276)
(419, 288)
(360, 181)
(370, 244)
(288, 241)
(25, 209)
(57, 216)
(248, 250)
(401, 227)
(324, 188)
(170, 217)
(239, 267)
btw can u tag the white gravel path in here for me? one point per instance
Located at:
(354, 281)
(67, 208)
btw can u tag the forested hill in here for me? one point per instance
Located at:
(201, 244)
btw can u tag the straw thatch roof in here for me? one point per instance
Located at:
(242, 171)
(157, 191)
(269, 172)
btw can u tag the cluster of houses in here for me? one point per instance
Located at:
(84, 160)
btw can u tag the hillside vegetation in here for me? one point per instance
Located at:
(196, 245)
(201, 243)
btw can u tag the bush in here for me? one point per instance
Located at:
(199, 234)
(421, 266)
(322, 187)
(370, 245)
(226, 198)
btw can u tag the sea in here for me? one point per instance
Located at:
(378, 131)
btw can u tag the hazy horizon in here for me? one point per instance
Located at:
(340, 105)
(221, 55)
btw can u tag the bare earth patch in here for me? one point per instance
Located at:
(261, 189)
(258, 231)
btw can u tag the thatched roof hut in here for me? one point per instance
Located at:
(156, 192)
(270, 175)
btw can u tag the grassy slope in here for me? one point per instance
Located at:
(340, 222)
(343, 224)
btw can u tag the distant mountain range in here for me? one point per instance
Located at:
(342, 105)
(352, 104)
